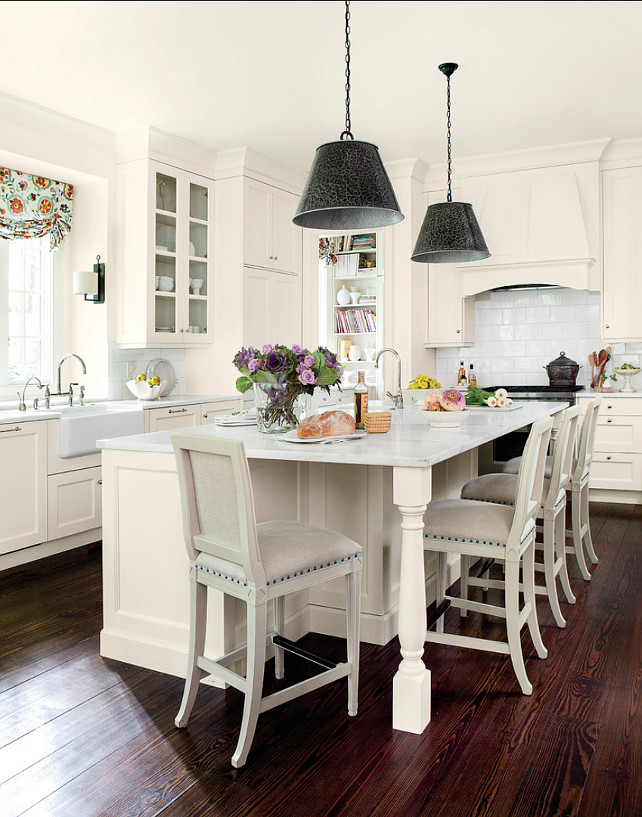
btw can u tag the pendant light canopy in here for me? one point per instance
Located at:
(450, 232)
(348, 187)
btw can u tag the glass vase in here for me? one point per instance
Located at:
(278, 408)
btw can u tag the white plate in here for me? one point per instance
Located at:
(291, 437)
(159, 367)
(497, 408)
(241, 419)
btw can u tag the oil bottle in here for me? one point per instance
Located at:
(360, 401)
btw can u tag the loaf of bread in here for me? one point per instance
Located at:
(326, 425)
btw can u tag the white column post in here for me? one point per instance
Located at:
(411, 684)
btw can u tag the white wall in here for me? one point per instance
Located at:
(520, 331)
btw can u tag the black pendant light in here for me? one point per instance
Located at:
(348, 187)
(450, 232)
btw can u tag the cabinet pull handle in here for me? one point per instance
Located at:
(178, 411)
(609, 407)
(608, 456)
(7, 430)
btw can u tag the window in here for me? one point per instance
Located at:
(26, 311)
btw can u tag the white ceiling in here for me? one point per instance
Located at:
(269, 75)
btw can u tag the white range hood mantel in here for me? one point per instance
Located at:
(541, 226)
(540, 215)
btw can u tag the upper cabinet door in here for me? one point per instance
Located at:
(257, 235)
(622, 285)
(286, 236)
(271, 240)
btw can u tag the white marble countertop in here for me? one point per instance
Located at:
(411, 441)
(589, 394)
(12, 415)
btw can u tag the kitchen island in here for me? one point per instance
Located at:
(374, 489)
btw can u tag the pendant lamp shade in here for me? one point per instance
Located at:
(450, 234)
(347, 189)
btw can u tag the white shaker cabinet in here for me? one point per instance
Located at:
(164, 419)
(165, 246)
(271, 307)
(74, 502)
(616, 470)
(451, 317)
(270, 239)
(23, 485)
(622, 285)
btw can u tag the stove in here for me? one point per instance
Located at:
(565, 394)
(493, 455)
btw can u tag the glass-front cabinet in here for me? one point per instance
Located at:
(165, 256)
(351, 317)
(181, 265)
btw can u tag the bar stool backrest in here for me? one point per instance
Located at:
(218, 503)
(587, 440)
(530, 480)
(562, 467)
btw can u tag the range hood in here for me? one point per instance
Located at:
(541, 225)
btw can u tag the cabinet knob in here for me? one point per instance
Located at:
(458, 331)
(276, 257)
(610, 420)
(205, 416)
(607, 326)
(608, 456)
(100, 482)
(609, 406)
(182, 330)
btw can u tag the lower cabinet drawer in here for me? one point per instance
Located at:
(74, 502)
(621, 434)
(619, 472)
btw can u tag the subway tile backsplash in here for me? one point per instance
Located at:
(127, 363)
(518, 332)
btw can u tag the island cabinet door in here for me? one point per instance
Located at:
(23, 485)
(74, 502)
(166, 419)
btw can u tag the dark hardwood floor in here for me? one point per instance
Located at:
(85, 737)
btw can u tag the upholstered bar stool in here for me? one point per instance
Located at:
(502, 489)
(579, 488)
(488, 531)
(256, 563)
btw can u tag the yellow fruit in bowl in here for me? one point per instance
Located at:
(141, 377)
(155, 381)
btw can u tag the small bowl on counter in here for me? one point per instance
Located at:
(445, 419)
(144, 390)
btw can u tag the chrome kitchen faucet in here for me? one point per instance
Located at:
(397, 398)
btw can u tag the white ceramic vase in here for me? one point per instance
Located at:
(343, 296)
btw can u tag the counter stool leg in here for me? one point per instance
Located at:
(560, 546)
(549, 570)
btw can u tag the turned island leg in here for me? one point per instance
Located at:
(411, 685)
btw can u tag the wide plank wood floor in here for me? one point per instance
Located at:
(85, 737)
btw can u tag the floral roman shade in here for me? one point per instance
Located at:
(32, 206)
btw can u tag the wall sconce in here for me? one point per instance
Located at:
(91, 284)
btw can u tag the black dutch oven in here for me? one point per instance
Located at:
(562, 371)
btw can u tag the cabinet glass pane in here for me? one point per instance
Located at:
(165, 193)
(198, 277)
(198, 202)
(165, 272)
(165, 233)
(164, 313)
(197, 316)
(198, 239)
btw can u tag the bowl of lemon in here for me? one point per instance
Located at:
(415, 394)
(146, 388)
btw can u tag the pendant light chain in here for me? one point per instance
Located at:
(450, 195)
(347, 133)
